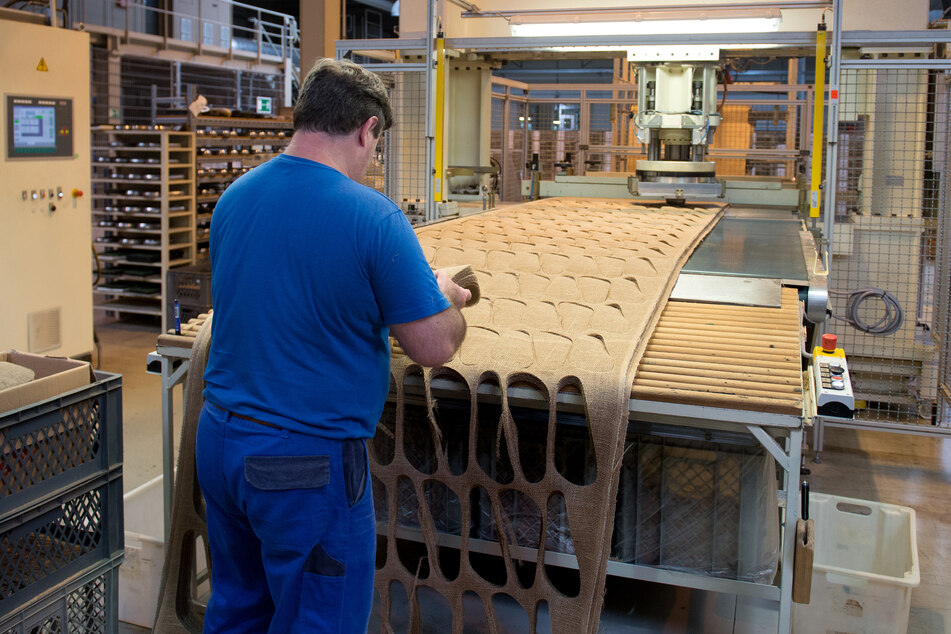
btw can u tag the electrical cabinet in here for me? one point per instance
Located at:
(44, 180)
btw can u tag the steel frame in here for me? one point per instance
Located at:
(781, 435)
(174, 364)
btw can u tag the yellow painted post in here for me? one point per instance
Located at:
(818, 105)
(439, 132)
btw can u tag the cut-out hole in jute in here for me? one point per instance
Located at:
(571, 291)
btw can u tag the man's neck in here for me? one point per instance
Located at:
(336, 151)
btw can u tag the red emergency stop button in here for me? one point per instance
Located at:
(828, 342)
(77, 193)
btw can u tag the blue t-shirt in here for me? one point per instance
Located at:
(308, 270)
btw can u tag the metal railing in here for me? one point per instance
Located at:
(41, 7)
(269, 34)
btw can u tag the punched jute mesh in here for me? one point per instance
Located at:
(571, 290)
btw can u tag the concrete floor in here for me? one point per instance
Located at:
(907, 470)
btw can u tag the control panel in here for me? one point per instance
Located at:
(48, 199)
(831, 379)
(39, 127)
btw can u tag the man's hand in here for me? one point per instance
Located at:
(457, 295)
(432, 341)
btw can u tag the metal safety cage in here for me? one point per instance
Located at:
(508, 136)
(608, 136)
(399, 169)
(764, 128)
(403, 165)
(942, 263)
(588, 130)
(887, 214)
(553, 124)
(574, 128)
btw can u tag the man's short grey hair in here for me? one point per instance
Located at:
(338, 96)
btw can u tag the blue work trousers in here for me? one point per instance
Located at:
(290, 526)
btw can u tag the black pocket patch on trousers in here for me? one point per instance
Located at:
(283, 473)
(320, 563)
(354, 468)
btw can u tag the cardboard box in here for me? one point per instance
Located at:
(54, 376)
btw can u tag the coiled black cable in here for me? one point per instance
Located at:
(890, 322)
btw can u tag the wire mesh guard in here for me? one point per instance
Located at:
(698, 507)
(398, 169)
(942, 265)
(756, 139)
(886, 237)
(84, 610)
(34, 452)
(507, 144)
(590, 131)
(610, 133)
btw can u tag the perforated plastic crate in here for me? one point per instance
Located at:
(48, 447)
(85, 604)
(191, 285)
(46, 546)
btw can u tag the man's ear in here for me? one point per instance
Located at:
(366, 131)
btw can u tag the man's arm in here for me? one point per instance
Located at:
(433, 340)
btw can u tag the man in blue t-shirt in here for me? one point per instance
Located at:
(310, 273)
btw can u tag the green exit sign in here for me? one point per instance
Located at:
(264, 105)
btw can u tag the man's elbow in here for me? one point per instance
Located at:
(432, 341)
(439, 347)
(434, 356)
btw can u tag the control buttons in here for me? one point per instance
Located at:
(52, 207)
(77, 193)
(25, 194)
(59, 193)
(34, 195)
(43, 193)
(832, 374)
(51, 193)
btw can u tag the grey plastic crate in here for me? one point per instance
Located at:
(45, 546)
(47, 447)
(191, 285)
(88, 603)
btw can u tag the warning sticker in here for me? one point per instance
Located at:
(42, 66)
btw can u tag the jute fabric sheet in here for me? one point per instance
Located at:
(571, 290)
(179, 610)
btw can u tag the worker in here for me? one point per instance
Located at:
(310, 272)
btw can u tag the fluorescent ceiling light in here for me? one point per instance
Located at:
(646, 27)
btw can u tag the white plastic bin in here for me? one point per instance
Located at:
(140, 575)
(865, 567)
